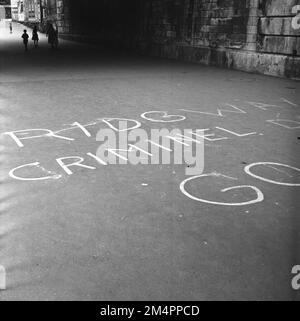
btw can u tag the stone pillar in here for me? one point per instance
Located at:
(252, 27)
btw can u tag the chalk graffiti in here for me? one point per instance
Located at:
(208, 136)
(262, 106)
(259, 195)
(123, 122)
(249, 172)
(77, 162)
(289, 102)
(138, 153)
(36, 165)
(19, 135)
(220, 111)
(49, 133)
(237, 134)
(284, 123)
(164, 117)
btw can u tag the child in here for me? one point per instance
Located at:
(25, 39)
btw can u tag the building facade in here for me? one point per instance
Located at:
(32, 11)
(5, 10)
(26, 11)
(21, 12)
(14, 12)
(43, 12)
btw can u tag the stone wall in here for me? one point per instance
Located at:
(216, 23)
(63, 16)
(260, 36)
(253, 35)
(279, 27)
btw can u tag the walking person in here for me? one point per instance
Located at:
(35, 36)
(10, 27)
(52, 36)
(25, 39)
(56, 38)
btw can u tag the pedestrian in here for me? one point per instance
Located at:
(10, 27)
(35, 36)
(52, 36)
(56, 38)
(25, 39)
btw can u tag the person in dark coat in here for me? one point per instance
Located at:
(52, 36)
(35, 36)
(25, 39)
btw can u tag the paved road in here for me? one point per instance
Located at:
(126, 232)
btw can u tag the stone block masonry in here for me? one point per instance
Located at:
(260, 36)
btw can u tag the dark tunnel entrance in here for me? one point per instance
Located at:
(255, 36)
(110, 22)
